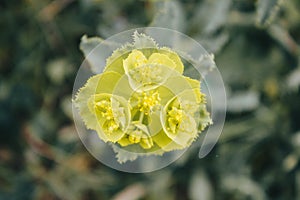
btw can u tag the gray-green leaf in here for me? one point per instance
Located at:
(267, 11)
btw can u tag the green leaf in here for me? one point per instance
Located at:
(88, 47)
(243, 101)
(267, 11)
(293, 80)
(88, 44)
(200, 186)
(131, 152)
(218, 16)
(203, 65)
(141, 41)
(169, 15)
(123, 156)
(214, 43)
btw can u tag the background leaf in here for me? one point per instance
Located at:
(267, 11)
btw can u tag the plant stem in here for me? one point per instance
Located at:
(141, 116)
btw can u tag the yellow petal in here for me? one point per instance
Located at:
(161, 59)
(174, 57)
(135, 59)
(175, 85)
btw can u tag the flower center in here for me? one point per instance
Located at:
(146, 74)
(104, 108)
(175, 118)
(147, 101)
(139, 134)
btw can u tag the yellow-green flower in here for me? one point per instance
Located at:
(112, 114)
(143, 102)
(149, 73)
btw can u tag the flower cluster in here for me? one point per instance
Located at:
(143, 102)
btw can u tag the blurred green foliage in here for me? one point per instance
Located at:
(256, 45)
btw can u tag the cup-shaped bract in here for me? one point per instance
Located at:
(112, 114)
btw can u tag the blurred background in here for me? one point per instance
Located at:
(256, 47)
